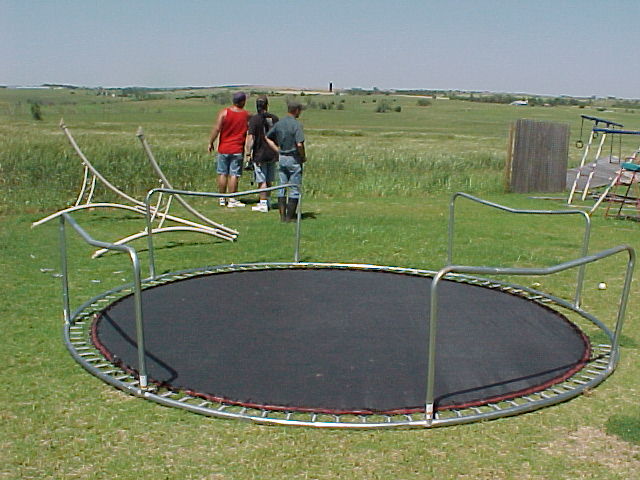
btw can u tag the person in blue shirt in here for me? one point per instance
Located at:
(287, 139)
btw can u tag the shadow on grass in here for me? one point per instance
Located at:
(626, 427)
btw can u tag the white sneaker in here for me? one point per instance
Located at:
(232, 203)
(261, 207)
(221, 202)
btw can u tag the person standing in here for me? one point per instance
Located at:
(231, 126)
(262, 157)
(287, 138)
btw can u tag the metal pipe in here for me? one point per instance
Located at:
(613, 130)
(135, 262)
(296, 254)
(433, 319)
(173, 191)
(64, 271)
(585, 241)
(601, 120)
(156, 167)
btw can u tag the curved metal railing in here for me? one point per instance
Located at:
(580, 262)
(172, 191)
(585, 241)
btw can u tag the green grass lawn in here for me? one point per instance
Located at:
(378, 188)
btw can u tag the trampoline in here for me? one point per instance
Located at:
(344, 345)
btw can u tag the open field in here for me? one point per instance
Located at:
(378, 187)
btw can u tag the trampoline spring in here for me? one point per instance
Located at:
(580, 382)
(94, 359)
(85, 347)
(186, 398)
(495, 406)
(203, 404)
(86, 354)
(166, 394)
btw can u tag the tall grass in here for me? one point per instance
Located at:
(338, 168)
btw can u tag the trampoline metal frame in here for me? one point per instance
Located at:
(585, 239)
(596, 371)
(178, 193)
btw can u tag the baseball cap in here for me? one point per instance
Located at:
(239, 97)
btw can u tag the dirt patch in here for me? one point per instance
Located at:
(589, 445)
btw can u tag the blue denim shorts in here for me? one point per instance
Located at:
(229, 164)
(265, 172)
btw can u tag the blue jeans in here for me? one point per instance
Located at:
(289, 171)
(229, 164)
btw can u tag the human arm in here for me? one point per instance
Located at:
(270, 139)
(272, 145)
(248, 145)
(301, 153)
(215, 131)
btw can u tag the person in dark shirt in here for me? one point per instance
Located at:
(287, 138)
(262, 157)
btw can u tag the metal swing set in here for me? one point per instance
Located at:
(160, 211)
(620, 182)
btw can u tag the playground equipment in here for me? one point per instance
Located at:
(588, 169)
(619, 190)
(415, 359)
(160, 212)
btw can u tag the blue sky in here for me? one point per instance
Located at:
(561, 47)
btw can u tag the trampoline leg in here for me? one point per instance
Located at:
(428, 415)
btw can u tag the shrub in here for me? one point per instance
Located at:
(36, 112)
(383, 107)
(424, 102)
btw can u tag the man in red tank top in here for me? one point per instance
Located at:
(231, 126)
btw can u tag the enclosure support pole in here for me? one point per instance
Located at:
(63, 271)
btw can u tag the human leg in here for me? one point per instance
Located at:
(222, 169)
(235, 171)
(290, 173)
(264, 173)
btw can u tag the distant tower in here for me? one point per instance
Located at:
(330, 87)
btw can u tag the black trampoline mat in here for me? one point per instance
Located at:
(340, 340)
